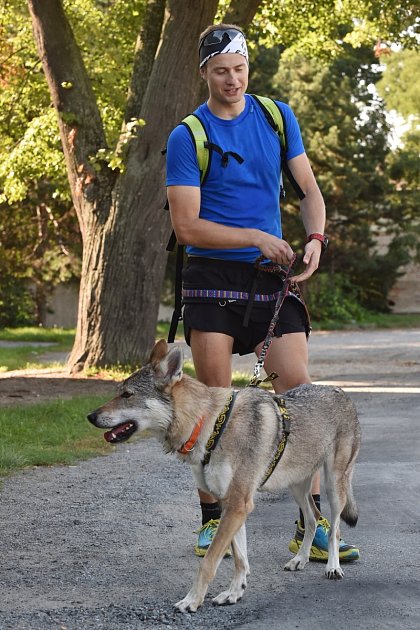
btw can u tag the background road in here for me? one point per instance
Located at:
(107, 544)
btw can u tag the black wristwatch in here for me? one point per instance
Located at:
(323, 238)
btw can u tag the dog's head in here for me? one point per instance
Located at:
(143, 401)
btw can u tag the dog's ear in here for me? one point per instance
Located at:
(159, 352)
(169, 368)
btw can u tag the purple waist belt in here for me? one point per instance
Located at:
(228, 295)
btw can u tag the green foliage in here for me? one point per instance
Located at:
(345, 131)
(323, 29)
(16, 303)
(404, 197)
(333, 298)
(39, 237)
(401, 92)
(39, 248)
(398, 85)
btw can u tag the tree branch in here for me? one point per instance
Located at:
(80, 124)
(69, 84)
(144, 56)
(241, 12)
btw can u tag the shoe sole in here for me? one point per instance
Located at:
(318, 555)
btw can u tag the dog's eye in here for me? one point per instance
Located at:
(126, 394)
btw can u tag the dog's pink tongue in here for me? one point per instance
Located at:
(120, 433)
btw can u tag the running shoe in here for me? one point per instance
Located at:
(319, 549)
(205, 536)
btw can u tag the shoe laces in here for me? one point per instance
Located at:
(324, 523)
(211, 524)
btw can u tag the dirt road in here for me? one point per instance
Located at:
(107, 544)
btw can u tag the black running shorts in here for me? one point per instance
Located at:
(226, 315)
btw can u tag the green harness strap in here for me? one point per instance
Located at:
(274, 118)
(270, 106)
(199, 137)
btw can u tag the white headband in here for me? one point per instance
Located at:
(236, 45)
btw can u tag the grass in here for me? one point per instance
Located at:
(27, 356)
(23, 358)
(50, 433)
(62, 337)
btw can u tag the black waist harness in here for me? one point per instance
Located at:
(205, 280)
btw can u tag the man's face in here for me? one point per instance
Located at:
(227, 77)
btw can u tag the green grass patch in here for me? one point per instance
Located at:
(62, 337)
(162, 330)
(24, 358)
(47, 434)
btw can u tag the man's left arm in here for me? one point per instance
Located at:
(312, 209)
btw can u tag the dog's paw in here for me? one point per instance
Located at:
(334, 573)
(190, 603)
(296, 564)
(230, 596)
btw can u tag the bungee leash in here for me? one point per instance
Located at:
(273, 268)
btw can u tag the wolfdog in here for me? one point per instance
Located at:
(188, 418)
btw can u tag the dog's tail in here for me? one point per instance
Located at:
(350, 513)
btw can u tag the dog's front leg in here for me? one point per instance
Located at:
(206, 572)
(238, 584)
(230, 522)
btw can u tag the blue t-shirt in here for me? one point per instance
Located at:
(237, 195)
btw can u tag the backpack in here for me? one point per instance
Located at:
(204, 150)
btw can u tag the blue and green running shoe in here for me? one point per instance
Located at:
(205, 536)
(319, 549)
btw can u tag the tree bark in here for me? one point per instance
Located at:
(122, 220)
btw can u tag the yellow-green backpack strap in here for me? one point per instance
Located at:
(269, 107)
(276, 121)
(199, 136)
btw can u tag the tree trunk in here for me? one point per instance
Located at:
(123, 224)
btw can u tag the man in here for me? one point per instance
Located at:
(227, 223)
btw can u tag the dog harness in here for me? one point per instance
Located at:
(222, 421)
(285, 421)
(219, 426)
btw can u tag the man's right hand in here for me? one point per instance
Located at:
(274, 248)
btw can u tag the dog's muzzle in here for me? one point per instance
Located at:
(120, 433)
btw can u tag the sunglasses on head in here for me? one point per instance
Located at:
(217, 36)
